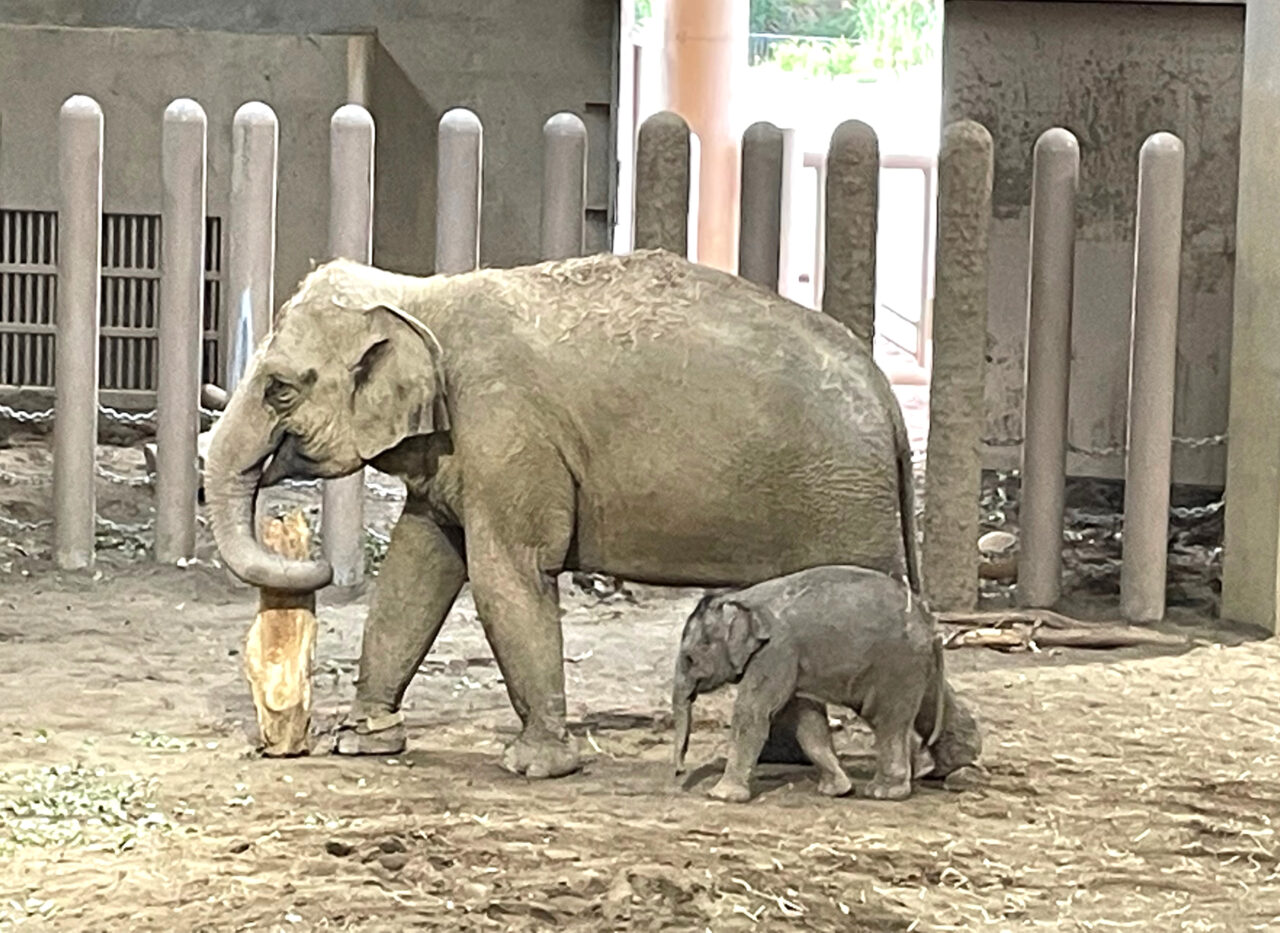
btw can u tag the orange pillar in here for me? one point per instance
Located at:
(706, 47)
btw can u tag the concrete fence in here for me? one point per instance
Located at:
(849, 174)
(252, 236)
(666, 187)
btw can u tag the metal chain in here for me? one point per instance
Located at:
(103, 523)
(123, 529)
(1190, 443)
(1196, 512)
(121, 480)
(112, 414)
(14, 523)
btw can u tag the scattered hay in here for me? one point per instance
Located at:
(74, 804)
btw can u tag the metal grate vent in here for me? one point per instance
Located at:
(130, 300)
(28, 295)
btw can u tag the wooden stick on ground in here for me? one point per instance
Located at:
(1096, 636)
(1000, 618)
(280, 649)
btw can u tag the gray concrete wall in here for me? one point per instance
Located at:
(1112, 73)
(514, 62)
(134, 74)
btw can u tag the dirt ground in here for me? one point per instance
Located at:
(1123, 790)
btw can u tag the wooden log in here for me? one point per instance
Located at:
(280, 649)
(999, 618)
(1098, 636)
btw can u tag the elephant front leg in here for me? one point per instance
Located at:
(420, 579)
(519, 607)
(765, 689)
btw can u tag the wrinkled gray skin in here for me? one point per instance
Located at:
(841, 635)
(640, 416)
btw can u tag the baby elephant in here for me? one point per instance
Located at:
(826, 635)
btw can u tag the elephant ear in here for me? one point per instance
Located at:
(745, 630)
(399, 383)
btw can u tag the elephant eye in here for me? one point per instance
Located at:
(279, 394)
(364, 368)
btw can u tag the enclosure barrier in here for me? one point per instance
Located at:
(351, 141)
(79, 291)
(851, 211)
(564, 187)
(255, 140)
(458, 191)
(1157, 263)
(760, 205)
(664, 181)
(953, 480)
(182, 168)
(662, 188)
(1047, 364)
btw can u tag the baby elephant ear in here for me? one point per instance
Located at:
(746, 629)
(399, 386)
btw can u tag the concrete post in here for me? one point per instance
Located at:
(458, 191)
(1157, 256)
(953, 479)
(564, 186)
(181, 320)
(350, 237)
(1251, 535)
(852, 208)
(1055, 178)
(662, 184)
(760, 227)
(255, 135)
(75, 426)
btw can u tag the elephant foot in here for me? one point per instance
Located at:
(835, 785)
(879, 788)
(542, 756)
(730, 791)
(375, 735)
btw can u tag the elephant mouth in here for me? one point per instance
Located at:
(288, 461)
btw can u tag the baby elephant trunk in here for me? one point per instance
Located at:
(682, 714)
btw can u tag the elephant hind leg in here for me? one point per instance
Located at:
(420, 579)
(813, 734)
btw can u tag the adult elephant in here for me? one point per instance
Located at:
(641, 416)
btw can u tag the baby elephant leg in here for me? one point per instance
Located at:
(807, 720)
(893, 726)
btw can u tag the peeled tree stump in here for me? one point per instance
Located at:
(280, 649)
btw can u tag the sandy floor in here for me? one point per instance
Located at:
(1124, 789)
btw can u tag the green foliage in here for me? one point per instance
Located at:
(817, 59)
(866, 37)
(643, 11)
(897, 34)
(831, 18)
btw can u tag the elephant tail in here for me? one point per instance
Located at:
(907, 500)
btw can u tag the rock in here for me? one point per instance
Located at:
(338, 848)
(392, 844)
(965, 778)
(395, 861)
(997, 544)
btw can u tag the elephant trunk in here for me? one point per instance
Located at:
(682, 714)
(244, 437)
